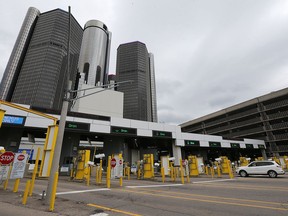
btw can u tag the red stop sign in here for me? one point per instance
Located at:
(6, 158)
(113, 162)
(21, 157)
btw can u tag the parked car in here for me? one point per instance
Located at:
(270, 168)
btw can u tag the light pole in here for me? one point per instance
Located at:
(65, 106)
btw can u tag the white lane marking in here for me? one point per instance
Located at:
(219, 180)
(82, 191)
(100, 214)
(147, 186)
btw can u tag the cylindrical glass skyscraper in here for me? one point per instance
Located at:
(18, 53)
(94, 55)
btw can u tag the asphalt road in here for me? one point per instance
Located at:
(203, 196)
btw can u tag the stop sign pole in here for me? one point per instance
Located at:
(108, 178)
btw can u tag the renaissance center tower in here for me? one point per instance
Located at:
(94, 54)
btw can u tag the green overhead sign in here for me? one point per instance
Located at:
(235, 145)
(215, 144)
(192, 143)
(123, 130)
(163, 134)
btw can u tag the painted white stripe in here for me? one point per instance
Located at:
(82, 191)
(147, 186)
(219, 180)
(100, 214)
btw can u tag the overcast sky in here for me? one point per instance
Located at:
(209, 54)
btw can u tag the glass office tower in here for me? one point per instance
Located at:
(134, 63)
(41, 81)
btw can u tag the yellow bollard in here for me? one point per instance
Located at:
(175, 173)
(34, 172)
(181, 172)
(108, 178)
(100, 172)
(218, 171)
(138, 170)
(212, 171)
(163, 174)
(53, 195)
(128, 174)
(230, 169)
(206, 170)
(24, 200)
(6, 184)
(88, 176)
(16, 185)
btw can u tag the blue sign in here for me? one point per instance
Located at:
(28, 151)
(16, 120)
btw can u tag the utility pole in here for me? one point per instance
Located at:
(62, 122)
(65, 105)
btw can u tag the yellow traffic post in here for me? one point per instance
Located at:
(138, 170)
(97, 174)
(175, 173)
(128, 173)
(54, 189)
(16, 185)
(121, 177)
(230, 169)
(108, 178)
(212, 171)
(2, 113)
(34, 172)
(88, 176)
(218, 170)
(206, 170)
(100, 171)
(163, 174)
(24, 200)
(181, 172)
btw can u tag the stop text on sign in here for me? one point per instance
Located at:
(6, 158)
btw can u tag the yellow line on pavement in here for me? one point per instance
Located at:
(215, 197)
(247, 187)
(112, 209)
(203, 200)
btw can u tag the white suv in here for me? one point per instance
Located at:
(270, 168)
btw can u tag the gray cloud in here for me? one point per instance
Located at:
(208, 54)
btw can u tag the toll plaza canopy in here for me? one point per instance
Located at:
(115, 133)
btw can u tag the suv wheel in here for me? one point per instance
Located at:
(243, 173)
(272, 174)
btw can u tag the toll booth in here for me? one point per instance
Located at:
(80, 165)
(193, 165)
(148, 167)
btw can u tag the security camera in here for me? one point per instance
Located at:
(100, 156)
